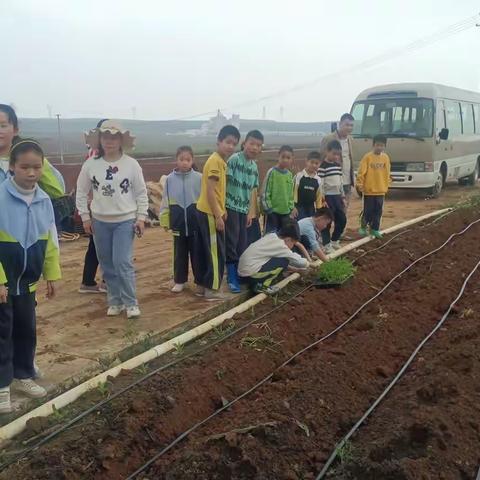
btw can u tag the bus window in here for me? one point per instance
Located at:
(454, 118)
(396, 116)
(440, 116)
(476, 109)
(467, 117)
(358, 111)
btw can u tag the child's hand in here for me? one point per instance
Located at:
(50, 289)
(220, 224)
(294, 213)
(249, 221)
(344, 202)
(3, 294)
(87, 226)
(139, 228)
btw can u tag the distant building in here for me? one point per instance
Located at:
(219, 121)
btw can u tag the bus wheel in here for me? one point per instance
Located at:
(472, 178)
(439, 184)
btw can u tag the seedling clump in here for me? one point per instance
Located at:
(336, 271)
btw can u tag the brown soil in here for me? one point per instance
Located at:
(287, 428)
(429, 427)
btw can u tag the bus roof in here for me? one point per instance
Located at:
(421, 90)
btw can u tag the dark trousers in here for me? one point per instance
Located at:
(235, 235)
(254, 232)
(305, 211)
(306, 243)
(211, 252)
(63, 209)
(183, 248)
(372, 211)
(18, 338)
(274, 222)
(269, 272)
(335, 204)
(90, 265)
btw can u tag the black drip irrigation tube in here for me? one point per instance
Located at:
(187, 432)
(142, 379)
(399, 375)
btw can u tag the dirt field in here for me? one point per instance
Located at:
(285, 430)
(75, 338)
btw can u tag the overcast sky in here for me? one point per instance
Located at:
(179, 58)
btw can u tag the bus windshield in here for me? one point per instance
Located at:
(394, 117)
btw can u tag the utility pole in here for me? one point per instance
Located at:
(60, 139)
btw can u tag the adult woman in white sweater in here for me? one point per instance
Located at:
(118, 211)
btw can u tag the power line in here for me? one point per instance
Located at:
(391, 54)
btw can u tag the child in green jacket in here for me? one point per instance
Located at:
(277, 191)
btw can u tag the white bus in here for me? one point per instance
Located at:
(433, 132)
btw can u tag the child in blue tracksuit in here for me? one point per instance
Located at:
(178, 213)
(28, 249)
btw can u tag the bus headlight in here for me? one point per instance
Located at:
(415, 167)
(429, 167)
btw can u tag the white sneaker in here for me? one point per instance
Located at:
(28, 387)
(200, 291)
(214, 295)
(328, 248)
(178, 288)
(336, 245)
(5, 405)
(133, 311)
(115, 310)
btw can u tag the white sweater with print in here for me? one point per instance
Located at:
(119, 190)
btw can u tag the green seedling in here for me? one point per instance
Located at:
(223, 330)
(179, 348)
(220, 373)
(346, 453)
(147, 341)
(103, 388)
(57, 414)
(275, 300)
(143, 369)
(336, 271)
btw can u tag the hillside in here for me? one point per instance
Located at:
(163, 137)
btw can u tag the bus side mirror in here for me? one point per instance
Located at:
(333, 127)
(443, 135)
